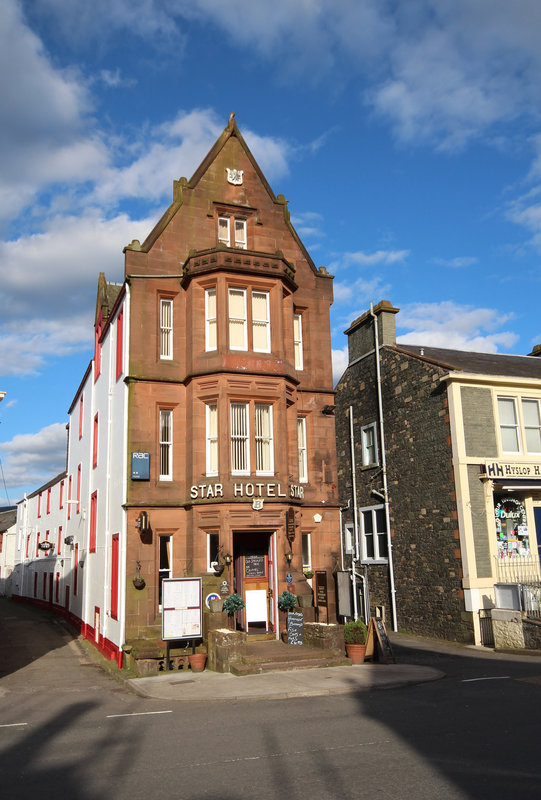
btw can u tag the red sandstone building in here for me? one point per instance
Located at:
(202, 434)
(230, 391)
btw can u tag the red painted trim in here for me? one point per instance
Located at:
(95, 443)
(119, 344)
(81, 401)
(79, 468)
(115, 546)
(93, 522)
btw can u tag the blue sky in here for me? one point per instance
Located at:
(406, 137)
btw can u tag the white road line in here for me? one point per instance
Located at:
(493, 678)
(14, 725)
(138, 714)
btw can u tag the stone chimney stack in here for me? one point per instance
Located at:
(536, 351)
(361, 332)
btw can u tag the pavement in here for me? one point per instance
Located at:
(36, 646)
(199, 686)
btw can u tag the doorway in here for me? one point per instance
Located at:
(254, 580)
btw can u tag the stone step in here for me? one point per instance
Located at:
(255, 666)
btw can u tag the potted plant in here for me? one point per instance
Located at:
(355, 634)
(233, 603)
(287, 601)
(197, 661)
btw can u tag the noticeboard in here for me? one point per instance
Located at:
(255, 566)
(182, 612)
(321, 588)
(295, 628)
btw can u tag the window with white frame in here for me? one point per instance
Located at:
(211, 341)
(373, 534)
(306, 552)
(260, 322)
(297, 340)
(240, 451)
(223, 230)
(532, 424)
(264, 450)
(213, 546)
(212, 439)
(302, 449)
(237, 319)
(509, 430)
(369, 448)
(164, 563)
(166, 329)
(239, 232)
(166, 445)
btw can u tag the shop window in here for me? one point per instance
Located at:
(166, 329)
(164, 563)
(373, 534)
(369, 450)
(511, 527)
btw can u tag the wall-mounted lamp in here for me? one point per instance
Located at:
(289, 557)
(68, 540)
(228, 558)
(142, 523)
(328, 410)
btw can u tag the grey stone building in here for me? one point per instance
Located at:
(439, 456)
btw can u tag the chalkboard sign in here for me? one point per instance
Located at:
(295, 628)
(321, 588)
(255, 567)
(383, 641)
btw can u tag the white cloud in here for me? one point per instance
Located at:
(362, 259)
(44, 128)
(458, 262)
(339, 363)
(31, 459)
(455, 326)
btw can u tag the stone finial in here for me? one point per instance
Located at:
(135, 245)
(536, 351)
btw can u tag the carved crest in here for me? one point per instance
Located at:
(234, 176)
(257, 504)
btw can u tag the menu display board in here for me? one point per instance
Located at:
(255, 566)
(182, 612)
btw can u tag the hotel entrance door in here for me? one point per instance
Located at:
(254, 580)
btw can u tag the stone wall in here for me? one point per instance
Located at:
(423, 512)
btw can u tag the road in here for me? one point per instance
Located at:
(69, 730)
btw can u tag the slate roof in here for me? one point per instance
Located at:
(7, 519)
(499, 364)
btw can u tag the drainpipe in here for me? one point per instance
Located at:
(384, 468)
(355, 557)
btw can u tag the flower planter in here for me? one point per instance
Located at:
(197, 661)
(216, 604)
(356, 652)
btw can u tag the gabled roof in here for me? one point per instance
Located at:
(8, 517)
(500, 364)
(231, 130)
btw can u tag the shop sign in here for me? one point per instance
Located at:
(205, 491)
(499, 469)
(140, 466)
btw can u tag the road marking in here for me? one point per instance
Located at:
(138, 714)
(14, 725)
(493, 678)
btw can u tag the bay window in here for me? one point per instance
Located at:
(260, 322)
(264, 451)
(237, 319)
(210, 319)
(240, 452)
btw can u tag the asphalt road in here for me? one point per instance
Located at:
(69, 730)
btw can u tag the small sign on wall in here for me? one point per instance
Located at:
(140, 466)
